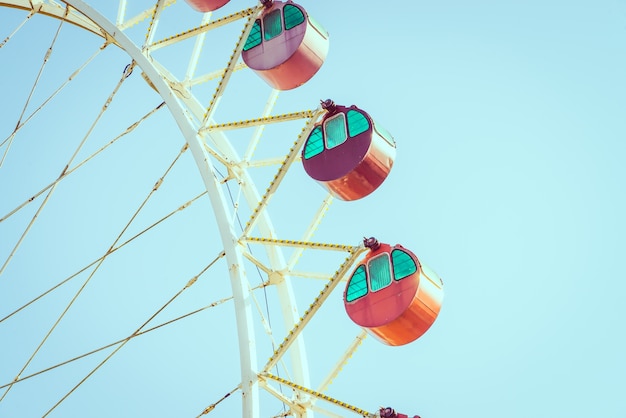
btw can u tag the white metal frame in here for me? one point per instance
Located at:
(239, 282)
(206, 139)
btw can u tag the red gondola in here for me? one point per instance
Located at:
(391, 413)
(206, 5)
(392, 294)
(348, 152)
(285, 46)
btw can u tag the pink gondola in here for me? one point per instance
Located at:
(206, 5)
(285, 46)
(391, 413)
(348, 153)
(392, 295)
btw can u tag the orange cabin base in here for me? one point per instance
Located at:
(415, 320)
(405, 307)
(297, 70)
(368, 175)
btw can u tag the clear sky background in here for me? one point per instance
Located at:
(509, 182)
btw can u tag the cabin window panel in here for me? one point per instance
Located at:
(254, 39)
(293, 16)
(314, 144)
(357, 123)
(357, 286)
(431, 275)
(384, 134)
(319, 28)
(272, 25)
(335, 131)
(379, 272)
(403, 264)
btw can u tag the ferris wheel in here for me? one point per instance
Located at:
(128, 279)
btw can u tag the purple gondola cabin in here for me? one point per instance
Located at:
(285, 46)
(348, 153)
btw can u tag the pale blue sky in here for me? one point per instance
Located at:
(509, 182)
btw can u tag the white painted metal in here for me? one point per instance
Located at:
(241, 295)
(154, 23)
(53, 10)
(269, 105)
(277, 262)
(342, 361)
(121, 12)
(184, 107)
(141, 16)
(308, 233)
(239, 282)
(197, 49)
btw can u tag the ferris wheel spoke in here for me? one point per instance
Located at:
(266, 323)
(115, 343)
(25, 232)
(53, 9)
(121, 12)
(202, 29)
(146, 14)
(32, 90)
(282, 171)
(197, 49)
(71, 170)
(109, 252)
(343, 360)
(190, 283)
(278, 394)
(262, 121)
(222, 148)
(301, 244)
(21, 124)
(198, 80)
(127, 71)
(230, 67)
(96, 266)
(19, 26)
(310, 230)
(258, 132)
(154, 20)
(211, 407)
(52, 188)
(313, 308)
(318, 395)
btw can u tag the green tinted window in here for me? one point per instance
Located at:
(272, 26)
(403, 264)
(357, 286)
(254, 39)
(314, 144)
(293, 16)
(335, 131)
(357, 123)
(380, 274)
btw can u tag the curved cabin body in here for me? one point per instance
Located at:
(206, 5)
(392, 295)
(348, 152)
(285, 46)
